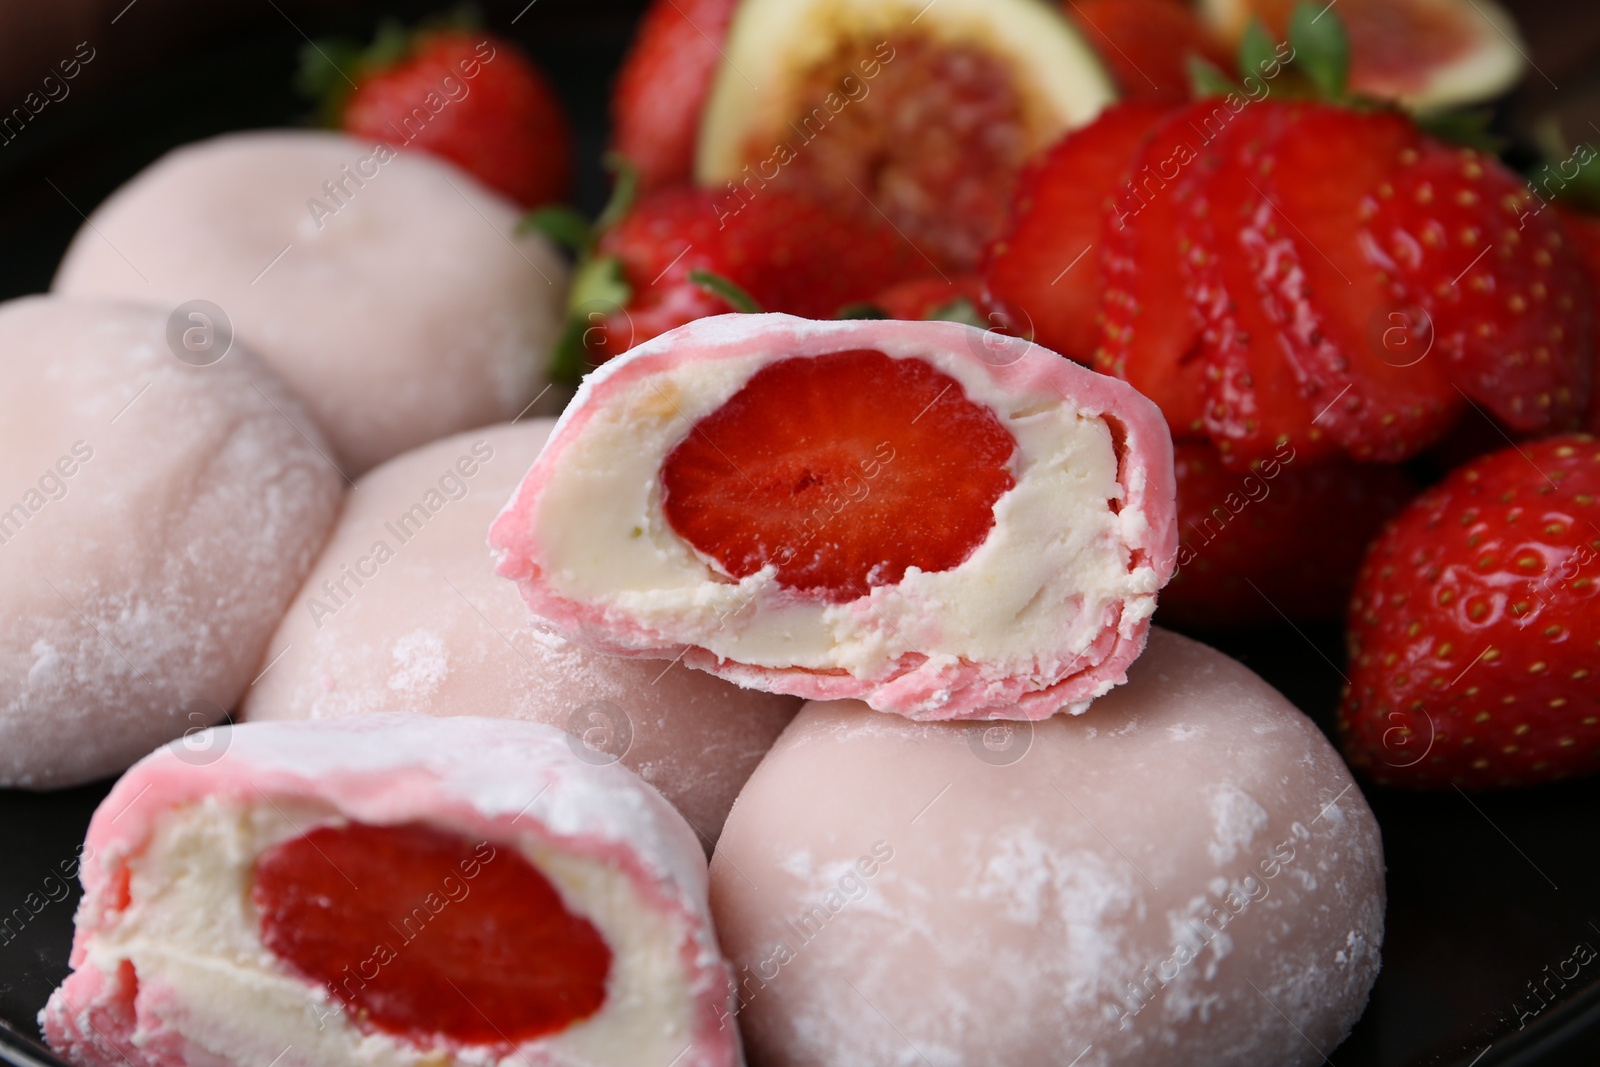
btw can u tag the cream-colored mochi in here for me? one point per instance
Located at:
(390, 291)
(403, 612)
(155, 518)
(1184, 875)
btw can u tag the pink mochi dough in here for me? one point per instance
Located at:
(1185, 875)
(155, 518)
(403, 612)
(206, 991)
(1018, 380)
(391, 291)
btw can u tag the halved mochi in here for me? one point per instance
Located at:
(923, 111)
(393, 890)
(939, 521)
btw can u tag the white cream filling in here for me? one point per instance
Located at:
(1031, 596)
(192, 928)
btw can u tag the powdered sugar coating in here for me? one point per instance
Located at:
(433, 630)
(506, 782)
(155, 517)
(1082, 653)
(392, 292)
(1107, 887)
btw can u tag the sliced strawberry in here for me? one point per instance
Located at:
(1044, 274)
(475, 100)
(958, 298)
(1352, 334)
(842, 471)
(1475, 627)
(428, 934)
(1150, 322)
(1254, 402)
(1285, 538)
(1510, 302)
(1147, 44)
(662, 87)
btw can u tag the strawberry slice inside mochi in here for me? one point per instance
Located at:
(428, 934)
(843, 471)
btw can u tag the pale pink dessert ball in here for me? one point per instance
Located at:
(1184, 875)
(403, 612)
(155, 517)
(392, 292)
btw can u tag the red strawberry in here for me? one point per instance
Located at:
(1044, 274)
(958, 298)
(1147, 44)
(1286, 537)
(662, 87)
(1149, 319)
(1584, 233)
(1254, 401)
(787, 252)
(1475, 627)
(894, 447)
(1507, 292)
(475, 100)
(1350, 333)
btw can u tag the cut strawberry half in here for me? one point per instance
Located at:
(1352, 334)
(1506, 291)
(1044, 274)
(938, 520)
(1149, 318)
(746, 488)
(1254, 403)
(504, 963)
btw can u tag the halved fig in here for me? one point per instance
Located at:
(923, 112)
(941, 521)
(1426, 55)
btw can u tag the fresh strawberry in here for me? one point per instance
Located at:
(1506, 290)
(1349, 331)
(1146, 44)
(785, 252)
(473, 99)
(958, 298)
(1583, 231)
(662, 87)
(895, 441)
(1149, 319)
(1254, 400)
(1044, 274)
(1285, 538)
(1475, 627)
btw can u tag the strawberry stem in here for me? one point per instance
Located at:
(717, 285)
(1321, 48)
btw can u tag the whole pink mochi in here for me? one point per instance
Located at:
(155, 518)
(1185, 875)
(403, 612)
(392, 292)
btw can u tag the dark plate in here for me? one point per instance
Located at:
(1489, 895)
